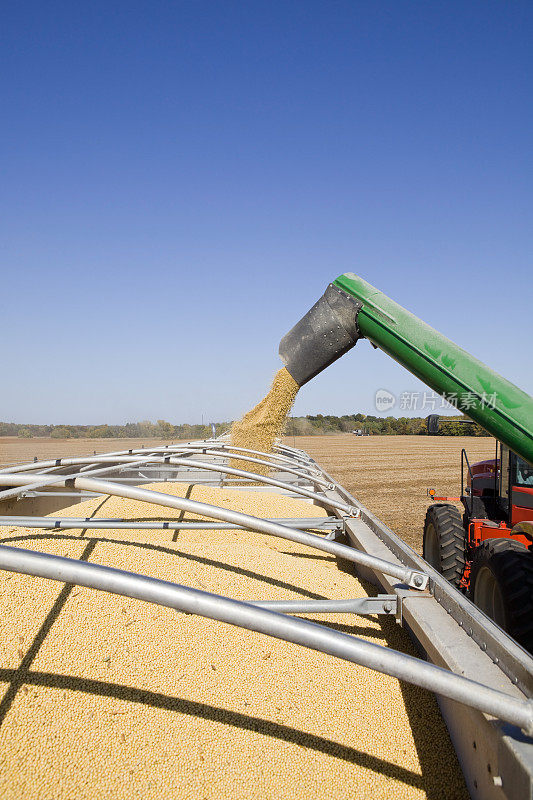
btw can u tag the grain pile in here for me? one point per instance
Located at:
(103, 696)
(260, 427)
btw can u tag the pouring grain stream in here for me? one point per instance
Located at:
(260, 427)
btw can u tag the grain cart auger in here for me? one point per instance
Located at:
(488, 551)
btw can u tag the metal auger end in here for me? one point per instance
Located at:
(322, 336)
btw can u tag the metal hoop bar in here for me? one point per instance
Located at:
(308, 475)
(293, 453)
(121, 458)
(278, 456)
(53, 480)
(166, 449)
(416, 579)
(61, 462)
(183, 462)
(241, 473)
(290, 629)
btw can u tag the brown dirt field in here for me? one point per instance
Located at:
(390, 474)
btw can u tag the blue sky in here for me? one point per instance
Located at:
(180, 182)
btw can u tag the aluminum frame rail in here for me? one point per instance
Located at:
(79, 523)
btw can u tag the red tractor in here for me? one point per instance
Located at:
(488, 551)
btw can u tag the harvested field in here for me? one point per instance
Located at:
(106, 696)
(390, 474)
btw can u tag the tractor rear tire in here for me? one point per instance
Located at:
(501, 585)
(444, 542)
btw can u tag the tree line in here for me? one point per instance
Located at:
(310, 425)
(313, 425)
(131, 430)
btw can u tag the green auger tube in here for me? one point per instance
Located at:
(340, 318)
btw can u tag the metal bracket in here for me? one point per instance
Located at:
(382, 604)
(338, 534)
(406, 594)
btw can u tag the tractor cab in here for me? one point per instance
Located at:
(498, 490)
(488, 551)
(521, 490)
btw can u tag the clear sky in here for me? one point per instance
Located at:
(181, 180)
